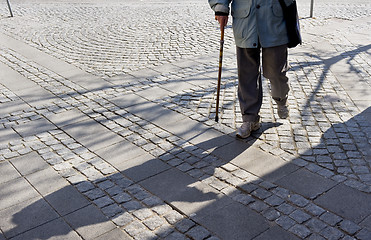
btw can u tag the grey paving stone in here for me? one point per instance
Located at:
(25, 216)
(300, 230)
(15, 191)
(89, 222)
(56, 229)
(298, 200)
(316, 237)
(47, 181)
(306, 183)
(67, 118)
(274, 200)
(347, 202)
(349, 227)
(176, 236)
(262, 164)
(332, 233)
(112, 210)
(59, 198)
(117, 154)
(29, 163)
(114, 235)
(34, 127)
(316, 225)
(271, 214)
(300, 216)
(234, 221)
(181, 190)
(330, 218)
(159, 115)
(142, 167)
(285, 222)
(123, 219)
(364, 234)
(92, 135)
(286, 208)
(7, 172)
(367, 223)
(198, 233)
(184, 225)
(8, 134)
(211, 139)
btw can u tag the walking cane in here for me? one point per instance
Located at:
(10, 9)
(220, 71)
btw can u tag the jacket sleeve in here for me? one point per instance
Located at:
(220, 7)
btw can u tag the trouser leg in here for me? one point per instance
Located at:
(274, 68)
(250, 93)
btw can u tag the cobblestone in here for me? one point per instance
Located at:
(324, 132)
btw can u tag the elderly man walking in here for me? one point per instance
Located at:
(258, 27)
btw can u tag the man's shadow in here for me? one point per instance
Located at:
(186, 194)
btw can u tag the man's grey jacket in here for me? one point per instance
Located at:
(255, 21)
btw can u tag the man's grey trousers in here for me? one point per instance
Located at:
(250, 92)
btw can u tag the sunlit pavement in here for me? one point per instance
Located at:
(107, 126)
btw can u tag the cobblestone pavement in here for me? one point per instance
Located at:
(109, 108)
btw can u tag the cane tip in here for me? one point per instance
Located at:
(216, 119)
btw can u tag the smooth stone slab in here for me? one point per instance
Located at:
(115, 234)
(185, 128)
(89, 222)
(25, 216)
(7, 172)
(70, 195)
(182, 191)
(67, 117)
(156, 114)
(47, 181)
(211, 139)
(34, 127)
(142, 167)
(177, 86)
(262, 164)
(10, 107)
(12, 80)
(154, 93)
(144, 73)
(347, 202)
(120, 152)
(7, 135)
(54, 230)
(15, 191)
(36, 96)
(29, 163)
(235, 221)
(86, 128)
(306, 183)
(92, 135)
(128, 100)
